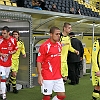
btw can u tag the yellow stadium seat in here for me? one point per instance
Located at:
(14, 4)
(33, 75)
(87, 55)
(90, 50)
(8, 3)
(2, 2)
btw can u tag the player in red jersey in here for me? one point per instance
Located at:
(8, 46)
(49, 67)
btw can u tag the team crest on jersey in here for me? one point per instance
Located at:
(39, 54)
(9, 44)
(94, 49)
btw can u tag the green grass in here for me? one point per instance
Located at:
(82, 91)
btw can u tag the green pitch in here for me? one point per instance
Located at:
(82, 91)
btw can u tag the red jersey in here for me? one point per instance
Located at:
(6, 46)
(50, 57)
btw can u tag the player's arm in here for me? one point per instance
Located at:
(95, 50)
(15, 48)
(72, 49)
(12, 52)
(4, 55)
(40, 78)
(40, 60)
(23, 50)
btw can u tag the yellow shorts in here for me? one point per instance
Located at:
(95, 80)
(64, 69)
(15, 65)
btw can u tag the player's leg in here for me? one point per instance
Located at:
(59, 88)
(64, 71)
(96, 84)
(96, 93)
(4, 73)
(46, 89)
(71, 67)
(0, 87)
(12, 80)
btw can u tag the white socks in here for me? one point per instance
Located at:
(55, 98)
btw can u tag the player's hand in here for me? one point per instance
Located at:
(11, 52)
(81, 58)
(5, 55)
(98, 73)
(40, 79)
(77, 52)
(24, 56)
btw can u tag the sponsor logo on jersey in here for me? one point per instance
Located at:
(64, 44)
(3, 48)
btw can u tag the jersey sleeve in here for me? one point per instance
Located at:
(95, 51)
(70, 47)
(15, 45)
(23, 48)
(41, 54)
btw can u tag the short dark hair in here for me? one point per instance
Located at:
(65, 24)
(6, 28)
(52, 29)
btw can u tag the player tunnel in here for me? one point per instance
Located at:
(22, 23)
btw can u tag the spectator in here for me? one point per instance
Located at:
(72, 10)
(78, 12)
(36, 5)
(20, 3)
(42, 4)
(74, 60)
(54, 8)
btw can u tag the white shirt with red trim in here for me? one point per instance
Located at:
(50, 57)
(6, 46)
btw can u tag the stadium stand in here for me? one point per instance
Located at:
(8, 2)
(63, 6)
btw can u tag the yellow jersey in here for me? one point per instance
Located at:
(96, 56)
(21, 49)
(66, 46)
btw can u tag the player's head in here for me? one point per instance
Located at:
(5, 32)
(67, 27)
(72, 34)
(54, 34)
(16, 34)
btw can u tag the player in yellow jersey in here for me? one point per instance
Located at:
(66, 46)
(15, 62)
(96, 69)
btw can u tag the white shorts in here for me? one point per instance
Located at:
(4, 71)
(52, 85)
